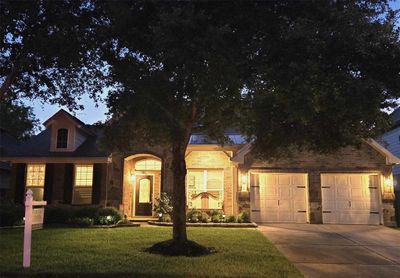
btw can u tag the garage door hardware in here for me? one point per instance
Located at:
(326, 211)
(372, 187)
(326, 187)
(301, 186)
(255, 210)
(301, 211)
(374, 212)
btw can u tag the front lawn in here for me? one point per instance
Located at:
(68, 252)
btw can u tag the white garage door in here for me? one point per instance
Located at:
(279, 197)
(350, 199)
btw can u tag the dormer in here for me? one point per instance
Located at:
(67, 132)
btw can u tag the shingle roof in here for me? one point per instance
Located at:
(39, 146)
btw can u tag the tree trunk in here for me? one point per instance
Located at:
(178, 166)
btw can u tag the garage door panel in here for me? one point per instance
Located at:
(299, 180)
(351, 199)
(300, 217)
(341, 180)
(356, 180)
(283, 180)
(282, 198)
(299, 205)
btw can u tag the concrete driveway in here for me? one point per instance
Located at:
(338, 250)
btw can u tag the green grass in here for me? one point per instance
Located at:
(68, 252)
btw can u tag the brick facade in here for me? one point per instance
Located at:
(347, 160)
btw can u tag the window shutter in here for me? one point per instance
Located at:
(68, 182)
(48, 183)
(20, 172)
(97, 180)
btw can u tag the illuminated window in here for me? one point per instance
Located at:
(83, 184)
(62, 138)
(144, 191)
(35, 175)
(148, 165)
(205, 189)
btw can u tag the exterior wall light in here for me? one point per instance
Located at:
(388, 183)
(244, 183)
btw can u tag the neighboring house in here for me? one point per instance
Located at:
(63, 164)
(391, 141)
(7, 144)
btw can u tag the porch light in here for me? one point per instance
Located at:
(388, 182)
(244, 183)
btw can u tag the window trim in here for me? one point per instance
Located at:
(57, 138)
(27, 187)
(205, 185)
(74, 186)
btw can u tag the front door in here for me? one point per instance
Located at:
(143, 195)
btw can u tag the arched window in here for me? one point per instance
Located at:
(148, 165)
(62, 138)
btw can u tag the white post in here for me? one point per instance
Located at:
(28, 229)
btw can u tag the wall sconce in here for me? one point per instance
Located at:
(388, 183)
(244, 183)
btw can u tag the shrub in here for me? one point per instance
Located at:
(165, 218)
(216, 216)
(58, 214)
(244, 217)
(194, 219)
(163, 205)
(87, 211)
(204, 217)
(230, 219)
(81, 221)
(108, 216)
(11, 214)
(193, 213)
(64, 214)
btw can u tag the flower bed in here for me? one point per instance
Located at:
(210, 224)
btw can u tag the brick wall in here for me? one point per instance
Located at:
(349, 159)
(216, 160)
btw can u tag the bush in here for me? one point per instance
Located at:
(193, 213)
(163, 206)
(204, 217)
(11, 214)
(230, 219)
(244, 217)
(165, 218)
(216, 216)
(60, 214)
(87, 211)
(81, 221)
(64, 214)
(108, 216)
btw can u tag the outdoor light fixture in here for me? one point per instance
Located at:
(160, 215)
(244, 183)
(388, 182)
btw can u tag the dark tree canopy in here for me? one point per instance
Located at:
(18, 120)
(289, 74)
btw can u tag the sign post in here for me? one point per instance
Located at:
(33, 217)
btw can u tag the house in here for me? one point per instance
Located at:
(391, 141)
(64, 164)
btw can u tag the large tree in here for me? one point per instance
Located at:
(289, 74)
(18, 120)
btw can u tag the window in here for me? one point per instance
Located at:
(62, 138)
(148, 165)
(205, 189)
(83, 183)
(35, 175)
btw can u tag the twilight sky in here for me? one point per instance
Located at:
(91, 113)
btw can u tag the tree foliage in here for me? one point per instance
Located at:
(312, 75)
(18, 120)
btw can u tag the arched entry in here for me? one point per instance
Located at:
(142, 184)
